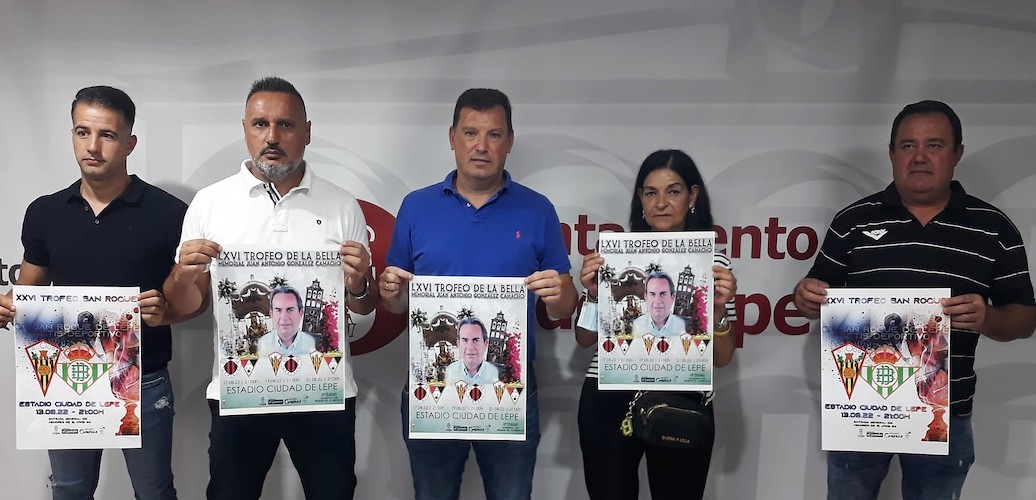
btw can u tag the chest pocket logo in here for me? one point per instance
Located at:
(876, 234)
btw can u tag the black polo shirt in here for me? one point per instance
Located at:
(970, 247)
(130, 243)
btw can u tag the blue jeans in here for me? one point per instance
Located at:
(506, 466)
(858, 476)
(75, 472)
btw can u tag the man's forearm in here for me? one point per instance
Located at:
(185, 298)
(565, 305)
(1010, 322)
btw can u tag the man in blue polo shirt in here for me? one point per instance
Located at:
(518, 235)
(110, 228)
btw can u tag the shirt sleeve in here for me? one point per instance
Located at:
(357, 229)
(34, 241)
(555, 255)
(724, 261)
(400, 253)
(1011, 281)
(192, 228)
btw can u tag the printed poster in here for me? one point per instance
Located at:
(77, 367)
(655, 295)
(885, 370)
(282, 323)
(468, 364)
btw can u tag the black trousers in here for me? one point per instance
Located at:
(322, 445)
(611, 461)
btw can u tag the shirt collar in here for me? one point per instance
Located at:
(890, 196)
(294, 340)
(448, 183)
(132, 194)
(256, 186)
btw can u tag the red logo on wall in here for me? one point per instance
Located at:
(386, 326)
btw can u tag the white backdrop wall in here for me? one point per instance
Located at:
(786, 105)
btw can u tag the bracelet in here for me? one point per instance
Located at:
(591, 297)
(722, 328)
(362, 295)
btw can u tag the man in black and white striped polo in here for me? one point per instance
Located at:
(924, 230)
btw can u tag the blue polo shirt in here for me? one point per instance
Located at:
(516, 233)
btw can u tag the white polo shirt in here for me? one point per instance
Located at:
(243, 210)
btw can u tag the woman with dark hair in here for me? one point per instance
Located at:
(669, 195)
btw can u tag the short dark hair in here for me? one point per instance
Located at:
(660, 275)
(275, 84)
(286, 289)
(929, 107)
(471, 320)
(108, 98)
(481, 100)
(683, 165)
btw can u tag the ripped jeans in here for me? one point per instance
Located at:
(858, 476)
(74, 473)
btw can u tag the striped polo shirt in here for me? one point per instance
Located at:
(970, 247)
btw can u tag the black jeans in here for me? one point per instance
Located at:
(322, 445)
(611, 461)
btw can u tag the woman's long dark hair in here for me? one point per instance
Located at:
(683, 165)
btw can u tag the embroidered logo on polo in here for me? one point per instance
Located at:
(876, 234)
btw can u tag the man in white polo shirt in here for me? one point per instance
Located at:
(275, 199)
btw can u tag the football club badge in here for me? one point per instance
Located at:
(515, 390)
(332, 358)
(462, 388)
(230, 366)
(420, 392)
(686, 339)
(436, 390)
(701, 342)
(475, 393)
(317, 358)
(498, 388)
(624, 342)
(44, 356)
(80, 371)
(248, 363)
(649, 341)
(883, 374)
(275, 361)
(663, 345)
(848, 359)
(291, 364)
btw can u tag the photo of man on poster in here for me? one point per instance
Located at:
(659, 299)
(287, 336)
(472, 347)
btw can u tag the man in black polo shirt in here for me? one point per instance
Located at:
(922, 231)
(110, 229)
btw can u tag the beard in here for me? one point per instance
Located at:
(276, 171)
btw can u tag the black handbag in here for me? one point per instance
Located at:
(670, 419)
